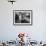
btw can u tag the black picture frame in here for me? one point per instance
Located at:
(22, 17)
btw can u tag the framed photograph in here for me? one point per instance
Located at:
(22, 17)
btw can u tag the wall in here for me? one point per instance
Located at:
(38, 29)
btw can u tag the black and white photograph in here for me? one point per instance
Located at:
(22, 16)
